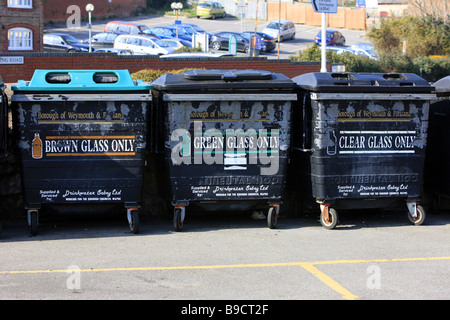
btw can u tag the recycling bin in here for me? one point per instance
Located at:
(81, 135)
(3, 120)
(437, 173)
(226, 139)
(359, 141)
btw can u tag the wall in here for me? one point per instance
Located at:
(303, 13)
(13, 72)
(32, 19)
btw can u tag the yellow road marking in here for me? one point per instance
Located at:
(308, 266)
(328, 281)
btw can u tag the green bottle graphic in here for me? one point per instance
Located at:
(186, 146)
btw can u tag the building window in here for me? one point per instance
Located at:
(20, 39)
(20, 4)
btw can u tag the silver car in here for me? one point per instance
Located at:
(285, 28)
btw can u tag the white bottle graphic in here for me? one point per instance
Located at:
(36, 150)
(332, 146)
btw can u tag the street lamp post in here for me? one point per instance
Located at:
(176, 6)
(241, 5)
(90, 9)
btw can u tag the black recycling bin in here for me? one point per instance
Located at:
(81, 135)
(3, 120)
(359, 141)
(437, 171)
(226, 139)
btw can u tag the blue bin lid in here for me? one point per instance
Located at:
(363, 82)
(81, 80)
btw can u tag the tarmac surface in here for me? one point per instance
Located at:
(370, 255)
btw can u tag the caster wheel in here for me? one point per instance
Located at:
(332, 220)
(420, 217)
(177, 220)
(133, 221)
(272, 218)
(33, 222)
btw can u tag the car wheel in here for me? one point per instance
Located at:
(71, 51)
(216, 45)
(246, 49)
(213, 16)
(293, 37)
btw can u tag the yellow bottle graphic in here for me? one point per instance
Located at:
(36, 151)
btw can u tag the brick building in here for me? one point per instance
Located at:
(22, 25)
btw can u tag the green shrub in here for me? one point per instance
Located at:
(149, 75)
(353, 63)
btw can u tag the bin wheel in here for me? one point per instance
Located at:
(133, 221)
(332, 220)
(177, 220)
(272, 218)
(420, 218)
(33, 221)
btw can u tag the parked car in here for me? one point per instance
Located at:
(58, 42)
(121, 27)
(210, 9)
(189, 29)
(334, 38)
(196, 54)
(168, 33)
(268, 41)
(220, 40)
(142, 44)
(119, 52)
(176, 43)
(249, 36)
(102, 40)
(365, 49)
(285, 28)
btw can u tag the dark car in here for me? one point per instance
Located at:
(267, 40)
(58, 42)
(334, 38)
(102, 40)
(220, 40)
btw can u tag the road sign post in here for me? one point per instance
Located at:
(324, 7)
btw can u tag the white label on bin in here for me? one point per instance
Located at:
(376, 142)
(235, 161)
(59, 146)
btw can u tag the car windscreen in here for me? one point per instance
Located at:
(69, 39)
(273, 25)
(161, 43)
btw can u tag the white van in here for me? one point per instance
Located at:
(286, 27)
(142, 44)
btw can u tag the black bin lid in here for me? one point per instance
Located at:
(363, 82)
(223, 79)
